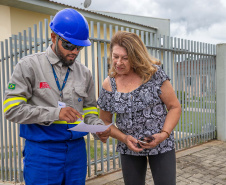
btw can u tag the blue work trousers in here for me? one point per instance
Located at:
(55, 163)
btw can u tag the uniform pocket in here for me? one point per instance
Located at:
(78, 95)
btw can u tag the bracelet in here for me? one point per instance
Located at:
(165, 132)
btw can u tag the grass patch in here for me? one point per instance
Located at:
(101, 148)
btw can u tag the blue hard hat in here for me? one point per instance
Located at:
(72, 26)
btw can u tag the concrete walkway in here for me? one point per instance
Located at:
(204, 164)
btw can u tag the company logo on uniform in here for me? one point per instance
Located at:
(11, 86)
(79, 100)
(44, 85)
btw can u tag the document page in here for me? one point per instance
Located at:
(82, 127)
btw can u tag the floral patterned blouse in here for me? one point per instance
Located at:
(139, 113)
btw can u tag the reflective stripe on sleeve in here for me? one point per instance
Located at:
(64, 122)
(90, 110)
(87, 110)
(12, 102)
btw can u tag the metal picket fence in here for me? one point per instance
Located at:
(191, 66)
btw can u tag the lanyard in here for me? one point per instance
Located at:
(57, 81)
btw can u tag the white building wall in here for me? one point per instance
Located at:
(162, 25)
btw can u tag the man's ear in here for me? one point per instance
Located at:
(53, 38)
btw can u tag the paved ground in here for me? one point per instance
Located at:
(204, 164)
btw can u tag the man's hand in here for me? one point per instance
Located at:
(69, 115)
(104, 135)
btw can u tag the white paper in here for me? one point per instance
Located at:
(82, 127)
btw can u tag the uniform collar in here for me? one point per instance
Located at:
(53, 58)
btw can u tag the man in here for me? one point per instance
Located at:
(49, 93)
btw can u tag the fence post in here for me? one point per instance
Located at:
(221, 91)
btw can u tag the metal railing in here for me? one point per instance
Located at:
(190, 65)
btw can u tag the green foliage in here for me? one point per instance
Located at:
(92, 148)
(182, 96)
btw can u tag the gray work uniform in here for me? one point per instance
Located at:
(32, 96)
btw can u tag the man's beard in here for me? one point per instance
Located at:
(63, 58)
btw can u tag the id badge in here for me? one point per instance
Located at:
(61, 104)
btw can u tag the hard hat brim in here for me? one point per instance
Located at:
(78, 42)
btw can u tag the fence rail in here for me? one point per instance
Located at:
(191, 66)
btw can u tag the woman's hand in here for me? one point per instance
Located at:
(103, 136)
(131, 143)
(158, 138)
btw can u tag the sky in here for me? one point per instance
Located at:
(197, 20)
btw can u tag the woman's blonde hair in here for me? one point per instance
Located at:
(138, 56)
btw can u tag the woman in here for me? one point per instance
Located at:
(139, 91)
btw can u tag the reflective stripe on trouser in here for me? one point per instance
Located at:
(55, 162)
